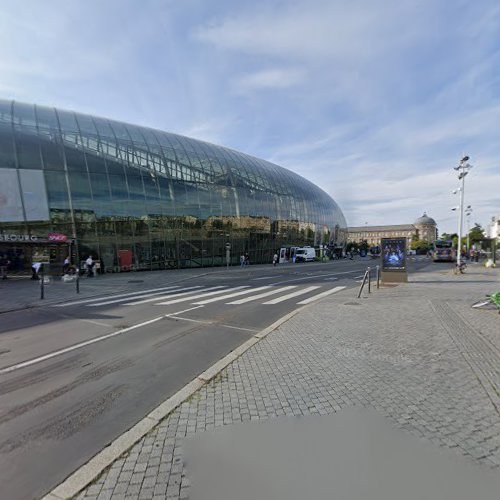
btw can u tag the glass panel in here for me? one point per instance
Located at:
(56, 190)
(7, 158)
(52, 155)
(28, 151)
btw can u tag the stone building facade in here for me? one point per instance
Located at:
(424, 228)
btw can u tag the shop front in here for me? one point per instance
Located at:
(22, 250)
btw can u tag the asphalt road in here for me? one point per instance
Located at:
(79, 374)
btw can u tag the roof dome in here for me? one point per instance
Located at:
(425, 219)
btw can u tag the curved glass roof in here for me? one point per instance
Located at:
(252, 186)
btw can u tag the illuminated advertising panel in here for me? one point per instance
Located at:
(393, 254)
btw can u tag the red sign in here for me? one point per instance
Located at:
(57, 237)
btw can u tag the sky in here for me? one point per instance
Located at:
(373, 101)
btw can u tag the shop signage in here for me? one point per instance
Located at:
(57, 237)
(18, 237)
(31, 238)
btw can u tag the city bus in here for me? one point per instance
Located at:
(443, 251)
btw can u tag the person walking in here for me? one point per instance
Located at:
(89, 264)
(4, 266)
(275, 259)
(247, 259)
(66, 265)
(35, 269)
(242, 260)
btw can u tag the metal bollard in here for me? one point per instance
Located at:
(362, 284)
(78, 282)
(369, 271)
(378, 277)
(42, 287)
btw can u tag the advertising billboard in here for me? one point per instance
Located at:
(393, 254)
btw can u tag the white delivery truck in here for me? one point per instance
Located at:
(305, 254)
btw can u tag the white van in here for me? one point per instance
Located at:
(305, 254)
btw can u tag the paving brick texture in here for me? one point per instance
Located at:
(416, 353)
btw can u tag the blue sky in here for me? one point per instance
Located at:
(374, 101)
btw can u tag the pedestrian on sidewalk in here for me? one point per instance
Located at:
(66, 265)
(35, 269)
(275, 259)
(89, 264)
(242, 260)
(247, 259)
(4, 266)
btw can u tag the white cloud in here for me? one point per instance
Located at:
(277, 78)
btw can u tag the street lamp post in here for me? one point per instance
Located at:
(468, 212)
(462, 169)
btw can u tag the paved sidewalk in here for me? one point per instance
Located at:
(416, 353)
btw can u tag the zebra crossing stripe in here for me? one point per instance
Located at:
(321, 295)
(291, 295)
(262, 295)
(181, 294)
(200, 296)
(231, 295)
(129, 294)
(142, 297)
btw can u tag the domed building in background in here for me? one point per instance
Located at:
(138, 198)
(426, 228)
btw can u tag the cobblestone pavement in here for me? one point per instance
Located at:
(408, 352)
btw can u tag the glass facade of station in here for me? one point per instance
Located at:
(138, 198)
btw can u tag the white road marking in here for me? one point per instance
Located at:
(261, 295)
(321, 295)
(143, 300)
(239, 328)
(76, 346)
(184, 311)
(291, 295)
(313, 276)
(192, 320)
(357, 277)
(129, 294)
(94, 322)
(229, 296)
(263, 278)
(200, 296)
(156, 299)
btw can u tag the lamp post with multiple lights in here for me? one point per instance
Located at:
(463, 169)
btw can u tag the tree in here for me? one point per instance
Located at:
(352, 245)
(421, 245)
(476, 234)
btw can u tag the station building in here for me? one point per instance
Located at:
(136, 198)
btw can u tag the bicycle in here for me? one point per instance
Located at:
(460, 268)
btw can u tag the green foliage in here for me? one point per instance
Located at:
(352, 245)
(417, 244)
(476, 233)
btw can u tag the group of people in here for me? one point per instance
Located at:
(244, 260)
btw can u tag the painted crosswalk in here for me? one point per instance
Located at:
(201, 296)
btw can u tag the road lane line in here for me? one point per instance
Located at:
(85, 301)
(263, 278)
(239, 328)
(156, 299)
(184, 311)
(291, 295)
(262, 295)
(357, 277)
(192, 320)
(142, 297)
(74, 347)
(185, 299)
(311, 277)
(229, 296)
(321, 295)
